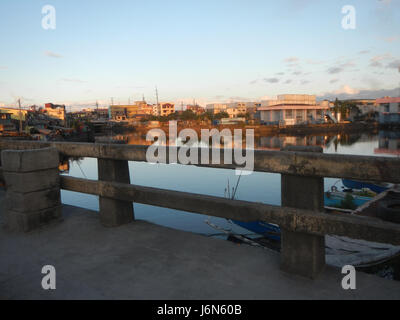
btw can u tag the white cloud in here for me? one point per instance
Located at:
(291, 59)
(394, 64)
(73, 80)
(314, 62)
(271, 80)
(347, 90)
(52, 54)
(391, 39)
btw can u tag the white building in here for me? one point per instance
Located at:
(233, 109)
(389, 110)
(291, 109)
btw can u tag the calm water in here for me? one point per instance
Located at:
(259, 187)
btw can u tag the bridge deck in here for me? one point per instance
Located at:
(146, 261)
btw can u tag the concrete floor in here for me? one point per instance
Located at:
(145, 261)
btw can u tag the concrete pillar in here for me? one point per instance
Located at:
(113, 212)
(301, 253)
(32, 188)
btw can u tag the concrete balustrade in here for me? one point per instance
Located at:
(33, 188)
(302, 253)
(33, 194)
(113, 212)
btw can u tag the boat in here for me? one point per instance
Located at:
(358, 185)
(345, 201)
(340, 250)
(268, 230)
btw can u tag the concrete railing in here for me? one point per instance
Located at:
(301, 217)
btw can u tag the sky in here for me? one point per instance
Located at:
(210, 51)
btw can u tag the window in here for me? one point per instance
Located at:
(289, 114)
(299, 115)
(386, 107)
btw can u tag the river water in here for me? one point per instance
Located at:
(258, 187)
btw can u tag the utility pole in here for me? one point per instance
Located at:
(20, 116)
(158, 105)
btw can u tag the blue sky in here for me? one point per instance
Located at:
(208, 50)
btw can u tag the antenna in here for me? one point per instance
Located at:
(157, 99)
(112, 101)
(157, 96)
(20, 116)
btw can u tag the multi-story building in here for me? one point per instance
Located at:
(55, 111)
(216, 107)
(16, 114)
(146, 109)
(291, 109)
(366, 105)
(195, 108)
(164, 109)
(6, 123)
(233, 109)
(389, 110)
(123, 112)
(234, 112)
(101, 113)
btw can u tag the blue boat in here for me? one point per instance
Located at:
(335, 198)
(273, 232)
(353, 184)
(268, 230)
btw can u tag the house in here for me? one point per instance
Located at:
(123, 112)
(165, 109)
(55, 111)
(195, 108)
(292, 109)
(389, 110)
(6, 123)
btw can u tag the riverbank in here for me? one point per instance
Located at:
(261, 130)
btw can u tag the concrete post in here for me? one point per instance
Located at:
(301, 253)
(114, 213)
(32, 188)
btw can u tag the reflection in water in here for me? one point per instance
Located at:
(389, 143)
(257, 187)
(330, 142)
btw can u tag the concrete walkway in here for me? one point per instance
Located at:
(145, 261)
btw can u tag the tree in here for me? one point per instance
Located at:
(221, 115)
(187, 115)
